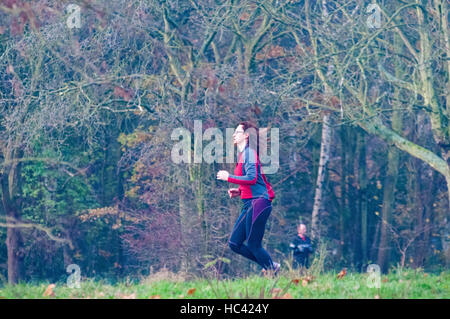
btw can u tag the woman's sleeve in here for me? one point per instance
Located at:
(250, 177)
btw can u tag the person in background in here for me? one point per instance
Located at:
(301, 247)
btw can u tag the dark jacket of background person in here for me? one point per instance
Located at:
(301, 249)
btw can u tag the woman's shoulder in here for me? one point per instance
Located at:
(250, 154)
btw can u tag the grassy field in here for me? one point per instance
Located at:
(405, 284)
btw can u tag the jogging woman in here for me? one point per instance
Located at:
(256, 194)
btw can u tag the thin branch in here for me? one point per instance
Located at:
(14, 223)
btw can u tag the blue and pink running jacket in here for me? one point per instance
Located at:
(249, 176)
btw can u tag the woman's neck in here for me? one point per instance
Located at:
(241, 146)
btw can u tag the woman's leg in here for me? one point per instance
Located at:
(256, 224)
(238, 235)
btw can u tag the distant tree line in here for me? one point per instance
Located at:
(359, 93)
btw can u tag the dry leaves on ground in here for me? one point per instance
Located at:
(342, 273)
(49, 291)
(191, 291)
(304, 280)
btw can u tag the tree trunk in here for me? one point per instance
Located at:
(343, 211)
(10, 183)
(417, 207)
(388, 201)
(389, 187)
(184, 224)
(438, 118)
(362, 184)
(324, 157)
(13, 234)
(196, 172)
(326, 130)
(376, 239)
(352, 216)
(15, 259)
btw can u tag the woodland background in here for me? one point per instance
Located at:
(86, 116)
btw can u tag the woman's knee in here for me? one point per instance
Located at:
(254, 246)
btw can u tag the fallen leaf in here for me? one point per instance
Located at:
(287, 296)
(295, 281)
(49, 291)
(342, 273)
(155, 297)
(385, 280)
(304, 282)
(191, 291)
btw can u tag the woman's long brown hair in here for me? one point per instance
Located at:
(253, 135)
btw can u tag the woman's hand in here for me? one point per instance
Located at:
(233, 192)
(223, 175)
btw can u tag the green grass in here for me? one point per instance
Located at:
(409, 284)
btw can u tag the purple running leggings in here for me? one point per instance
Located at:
(250, 226)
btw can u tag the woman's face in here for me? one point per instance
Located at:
(239, 136)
